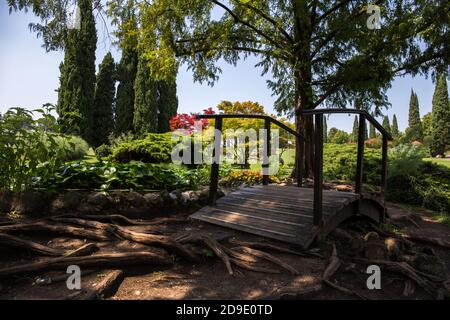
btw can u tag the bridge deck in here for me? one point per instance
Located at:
(280, 212)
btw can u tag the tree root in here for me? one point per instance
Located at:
(104, 260)
(268, 246)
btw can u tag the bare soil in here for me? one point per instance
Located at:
(209, 279)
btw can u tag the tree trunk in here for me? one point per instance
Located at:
(303, 89)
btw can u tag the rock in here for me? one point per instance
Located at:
(194, 196)
(185, 198)
(344, 188)
(68, 201)
(392, 247)
(372, 236)
(429, 251)
(31, 202)
(136, 200)
(429, 264)
(153, 200)
(6, 198)
(99, 200)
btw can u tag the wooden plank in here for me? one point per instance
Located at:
(243, 220)
(296, 201)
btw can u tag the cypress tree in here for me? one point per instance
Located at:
(167, 104)
(146, 100)
(126, 75)
(372, 132)
(415, 130)
(103, 121)
(386, 124)
(394, 127)
(355, 130)
(440, 128)
(77, 79)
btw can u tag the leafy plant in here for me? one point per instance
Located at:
(247, 176)
(154, 148)
(29, 147)
(108, 176)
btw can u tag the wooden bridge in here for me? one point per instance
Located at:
(295, 214)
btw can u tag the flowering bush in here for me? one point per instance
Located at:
(184, 121)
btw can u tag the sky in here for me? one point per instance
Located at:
(29, 77)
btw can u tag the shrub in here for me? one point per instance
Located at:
(154, 148)
(247, 176)
(340, 163)
(103, 151)
(108, 175)
(28, 147)
(429, 187)
(73, 147)
(405, 159)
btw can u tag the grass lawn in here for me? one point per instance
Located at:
(443, 162)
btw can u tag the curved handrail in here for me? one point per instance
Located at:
(367, 115)
(251, 116)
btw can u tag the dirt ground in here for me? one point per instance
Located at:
(209, 278)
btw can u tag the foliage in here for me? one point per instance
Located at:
(126, 70)
(340, 163)
(373, 143)
(146, 100)
(414, 132)
(109, 175)
(167, 104)
(386, 124)
(105, 90)
(429, 188)
(405, 159)
(311, 42)
(70, 147)
(186, 122)
(247, 176)
(77, 80)
(103, 151)
(154, 148)
(440, 122)
(337, 136)
(394, 128)
(28, 147)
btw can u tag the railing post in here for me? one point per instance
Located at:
(360, 154)
(300, 157)
(266, 152)
(318, 169)
(384, 159)
(214, 182)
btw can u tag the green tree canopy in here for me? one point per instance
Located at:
(77, 79)
(386, 124)
(394, 128)
(440, 123)
(415, 130)
(105, 90)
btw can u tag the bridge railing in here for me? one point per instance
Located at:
(318, 115)
(214, 180)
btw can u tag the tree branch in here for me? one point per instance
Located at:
(268, 18)
(247, 24)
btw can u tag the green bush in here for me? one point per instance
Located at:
(29, 147)
(74, 147)
(134, 175)
(340, 163)
(154, 148)
(429, 187)
(405, 159)
(103, 151)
